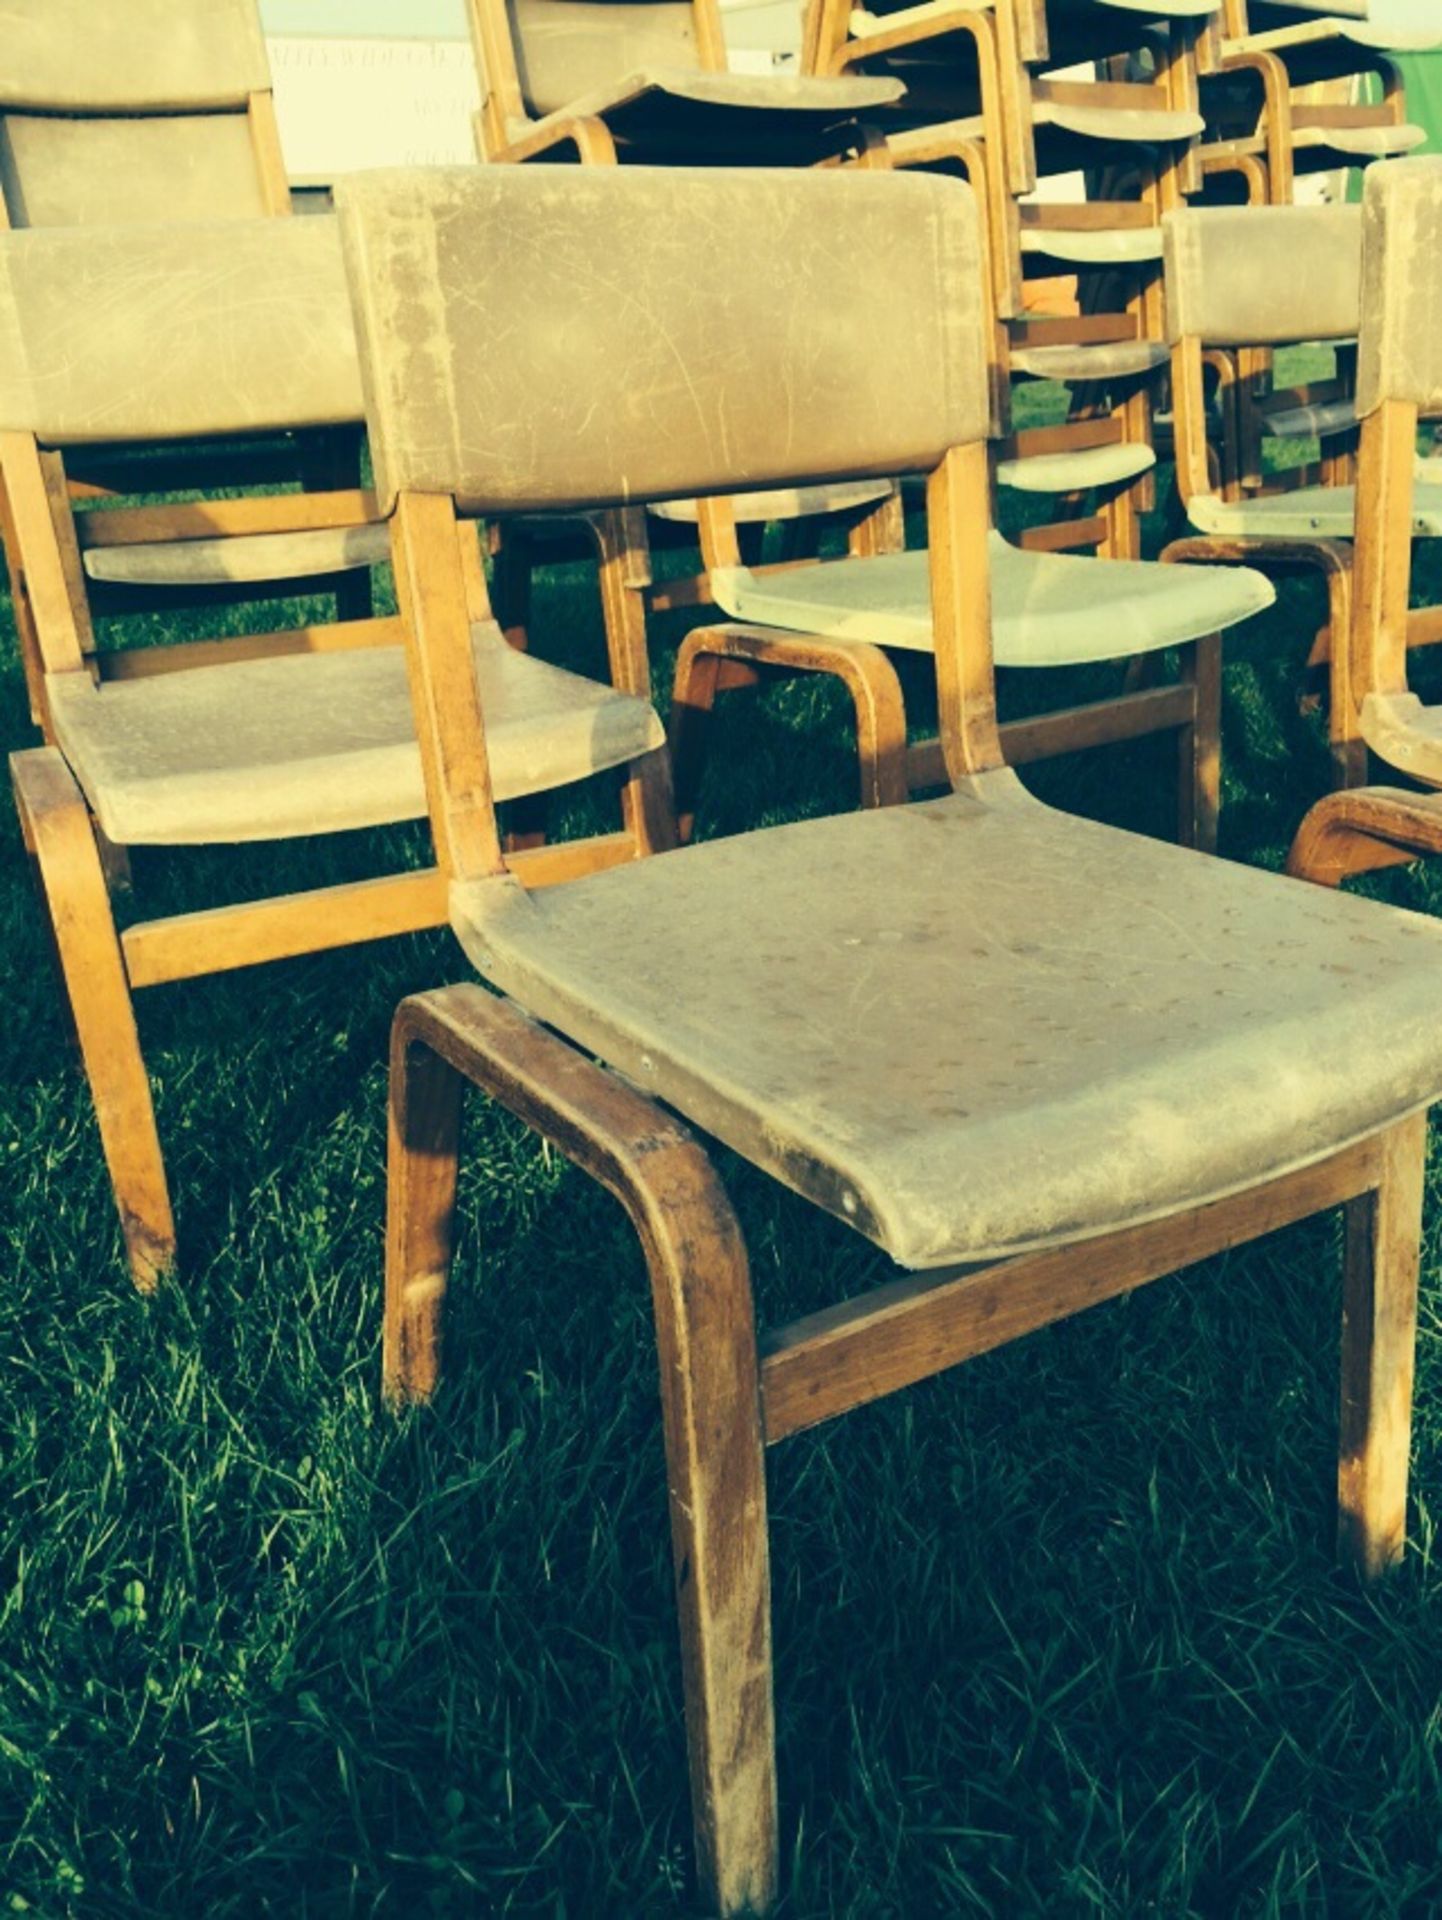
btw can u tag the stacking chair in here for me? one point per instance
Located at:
(139, 335)
(1399, 378)
(1273, 94)
(1035, 1061)
(1224, 292)
(150, 111)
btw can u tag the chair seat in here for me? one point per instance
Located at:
(1076, 472)
(974, 1026)
(1304, 35)
(1123, 126)
(1048, 609)
(1110, 360)
(1321, 421)
(318, 742)
(789, 503)
(686, 114)
(1094, 246)
(1367, 143)
(240, 557)
(1306, 513)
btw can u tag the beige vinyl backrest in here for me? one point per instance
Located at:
(547, 337)
(566, 49)
(1400, 355)
(163, 333)
(1263, 276)
(119, 110)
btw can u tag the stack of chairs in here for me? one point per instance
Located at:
(1281, 87)
(1033, 1060)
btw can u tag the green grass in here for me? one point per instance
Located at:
(1057, 1634)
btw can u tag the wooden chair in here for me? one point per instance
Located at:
(1274, 92)
(1399, 379)
(179, 334)
(1224, 292)
(1036, 1061)
(143, 112)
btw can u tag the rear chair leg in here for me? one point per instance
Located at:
(706, 1342)
(1199, 748)
(1379, 1335)
(56, 826)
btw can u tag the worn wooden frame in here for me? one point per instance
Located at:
(1367, 828)
(728, 1392)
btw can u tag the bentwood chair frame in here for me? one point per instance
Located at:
(305, 307)
(727, 1393)
(1234, 239)
(1369, 827)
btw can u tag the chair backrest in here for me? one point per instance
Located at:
(171, 333)
(540, 337)
(135, 110)
(1400, 356)
(566, 49)
(1263, 276)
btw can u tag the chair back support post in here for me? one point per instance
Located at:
(502, 106)
(958, 516)
(432, 591)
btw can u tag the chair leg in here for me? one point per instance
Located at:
(422, 1160)
(710, 1373)
(1379, 1336)
(693, 696)
(1199, 748)
(56, 826)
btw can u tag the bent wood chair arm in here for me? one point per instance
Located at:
(1364, 830)
(589, 136)
(706, 1341)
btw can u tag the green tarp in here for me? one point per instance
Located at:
(1423, 74)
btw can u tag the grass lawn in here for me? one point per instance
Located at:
(1058, 1633)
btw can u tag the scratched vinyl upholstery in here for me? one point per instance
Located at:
(483, 325)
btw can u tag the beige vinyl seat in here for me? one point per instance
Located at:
(309, 743)
(971, 1029)
(139, 335)
(1138, 1090)
(1048, 609)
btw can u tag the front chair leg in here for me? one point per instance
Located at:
(706, 1342)
(56, 826)
(1379, 1336)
